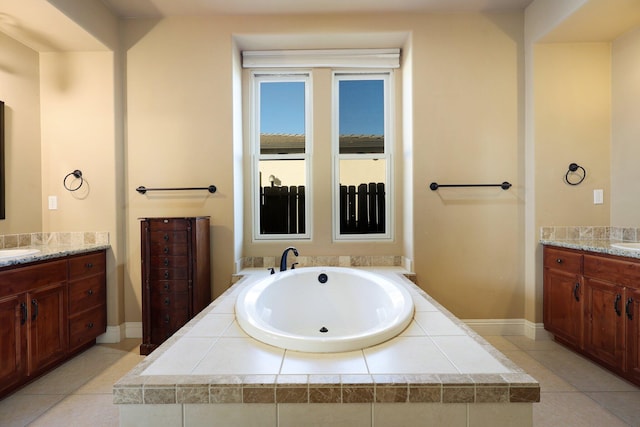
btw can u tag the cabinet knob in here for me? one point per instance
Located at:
(165, 250)
(89, 265)
(90, 325)
(166, 262)
(166, 318)
(90, 292)
(166, 237)
(167, 301)
(559, 260)
(166, 274)
(166, 286)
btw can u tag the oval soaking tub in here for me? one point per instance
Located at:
(324, 309)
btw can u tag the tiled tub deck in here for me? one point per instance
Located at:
(437, 372)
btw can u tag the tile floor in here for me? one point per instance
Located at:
(575, 392)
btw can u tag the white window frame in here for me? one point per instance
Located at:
(258, 77)
(387, 76)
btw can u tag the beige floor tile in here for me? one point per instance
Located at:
(19, 410)
(500, 342)
(95, 410)
(549, 381)
(572, 410)
(625, 405)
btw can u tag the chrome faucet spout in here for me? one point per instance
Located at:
(283, 259)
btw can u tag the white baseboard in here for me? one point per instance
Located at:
(133, 329)
(535, 331)
(113, 334)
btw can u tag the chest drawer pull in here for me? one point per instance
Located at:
(90, 325)
(89, 265)
(167, 301)
(628, 309)
(559, 260)
(166, 286)
(166, 274)
(166, 262)
(166, 237)
(90, 292)
(165, 250)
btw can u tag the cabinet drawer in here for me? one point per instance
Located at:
(169, 262)
(170, 286)
(168, 274)
(87, 326)
(23, 279)
(564, 260)
(168, 224)
(169, 303)
(168, 237)
(163, 248)
(87, 293)
(618, 271)
(86, 265)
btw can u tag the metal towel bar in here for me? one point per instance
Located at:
(434, 185)
(142, 189)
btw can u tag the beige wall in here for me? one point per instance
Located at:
(625, 148)
(20, 91)
(79, 132)
(466, 100)
(573, 124)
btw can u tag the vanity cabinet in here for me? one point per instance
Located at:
(87, 298)
(36, 311)
(609, 290)
(176, 279)
(563, 296)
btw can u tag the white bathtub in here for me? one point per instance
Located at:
(353, 309)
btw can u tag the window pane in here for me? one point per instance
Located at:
(282, 196)
(361, 116)
(362, 196)
(282, 114)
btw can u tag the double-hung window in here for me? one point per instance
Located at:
(362, 155)
(281, 146)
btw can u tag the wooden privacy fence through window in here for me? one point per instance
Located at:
(362, 209)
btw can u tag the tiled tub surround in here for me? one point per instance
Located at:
(52, 245)
(437, 371)
(594, 239)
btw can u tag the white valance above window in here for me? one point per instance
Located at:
(331, 58)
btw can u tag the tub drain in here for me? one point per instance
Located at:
(323, 330)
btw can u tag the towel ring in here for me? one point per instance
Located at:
(573, 167)
(76, 174)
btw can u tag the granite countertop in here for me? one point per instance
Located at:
(599, 246)
(51, 252)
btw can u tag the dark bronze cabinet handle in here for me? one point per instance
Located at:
(616, 304)
(23, 312)
(576, 288)
(628, 309)
(34, 303)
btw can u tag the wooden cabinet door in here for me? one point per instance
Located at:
(48, 329)
(604, 323)
(632, 315)
(13, 343)
(563, 306)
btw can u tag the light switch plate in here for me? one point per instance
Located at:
(53, 203)
(598, 197)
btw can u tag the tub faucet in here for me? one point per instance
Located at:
(283, 259)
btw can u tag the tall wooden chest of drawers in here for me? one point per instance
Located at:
(176, 282)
